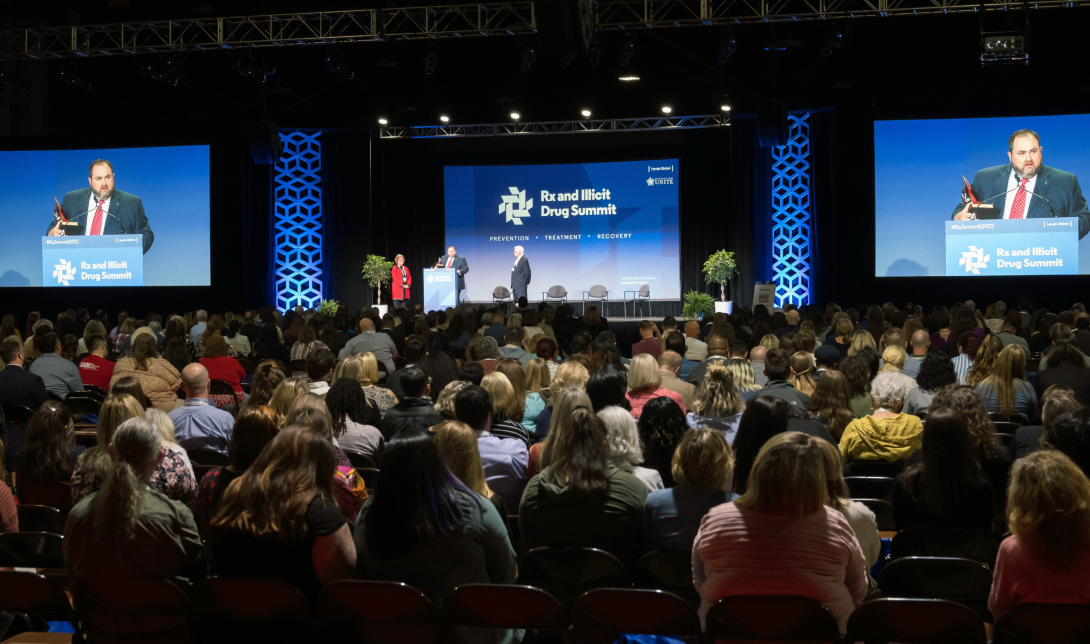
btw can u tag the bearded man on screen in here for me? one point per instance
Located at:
(104, 210)
(1027, 184)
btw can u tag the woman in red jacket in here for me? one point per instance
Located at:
(401, 280)
(221, 366)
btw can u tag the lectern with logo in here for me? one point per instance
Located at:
(440, 288)
(99, 260)
(1042, 246)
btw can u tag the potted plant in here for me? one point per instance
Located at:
(697, 305)
(719, 268)
(329, 307)
(377, 272)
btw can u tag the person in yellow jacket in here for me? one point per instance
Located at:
(887, 434)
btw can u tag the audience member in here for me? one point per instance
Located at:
(267, 376)
(1056, 401)
(131, 386)
(579, 499)
(786, 503)
(59, 375)
(310, 411)
(471, 372)
(717, 403)
(306, 342)
(270, 347)
(444, 404)
(94, 368)
(1066, 365)
(695, 349)
(546, 350)
(368, 341)
(570, 374)
(17, 385)
(507, 408)
(172, 477)
(887, 434)
(354, 420)
(284, 397)
(777, 368)
(625, 449)
(717, 351)
(9, 511)
(661, 426)
(157, 377)
(414, 413)
(162, 422)
(280, 520)
(862, 520)
(489, 351)
(416, 347)
(744, 378)
(1070, 434)
(237, 340)
(49, 453)
(984, 364)
(650, 340)
(802, 372)
(1006, 391)
(945, 488)
(604, 351)
(421, 514)
(1046, 560)
(223, 367)
(535, 381)
(670, 374)
(702, 466)
(935, 373)
(607, 388)
(645, 384)
(512, 348)
(319, 368)
(457, 444)
(504, 460)
(763, 418)
(129, 528)
(380, 396)
(831, 404)
(198, 423)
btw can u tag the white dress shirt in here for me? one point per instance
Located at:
(1012, 183)
(92, 205)
(450, 260)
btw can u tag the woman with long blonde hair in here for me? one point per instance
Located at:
(382, 397)
(284, 396)
(172, 477)
(742, 374)
(802, 372)
(843, 328)
(128, 524)
(769, 342)
(717, 403)
(893, 359)
(1006, 391)
(861, 340)
(507, 408)
(457, 443)
(986, 358)
(831, 403)
(1047, 557)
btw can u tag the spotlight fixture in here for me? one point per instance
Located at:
(725, 108)
(728, 46)
(431, 59)
(169, 72)
(594, 52)
(629, 75)
(382, 121)
(334, 63)
(444, 118)
(666, 109)
(70, 77)
(529, 55)
(586, 114)
(244, 65)
(832, 43)
(515, 116)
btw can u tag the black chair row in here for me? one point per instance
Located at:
(232, 610)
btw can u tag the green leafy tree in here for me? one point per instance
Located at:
(376, 272)
(719, 268)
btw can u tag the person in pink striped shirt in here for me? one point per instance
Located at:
(781, 537)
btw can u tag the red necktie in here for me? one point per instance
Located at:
(449, 262)
(96, 224)
(1019, 206)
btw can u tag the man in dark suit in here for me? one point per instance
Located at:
(520, 274)
(102, 210)
(1025, 183)
(17, 385)
(453, 260)
(416, 347)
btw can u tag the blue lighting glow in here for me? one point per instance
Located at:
(298, 221)
(791, 213)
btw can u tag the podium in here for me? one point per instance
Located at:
(1043, 246)
(440, 288)
(100, 260)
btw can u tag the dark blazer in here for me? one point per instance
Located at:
(520, 278)
(20, 387)
(1065, 373)
(126, 207)
(1060, 188)
(410, 414)
(460, 264)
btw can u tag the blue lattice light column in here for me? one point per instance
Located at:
(298, 221)
(791, 213)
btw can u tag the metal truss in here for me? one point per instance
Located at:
(556, 127)
(280, 30)
(621, 15)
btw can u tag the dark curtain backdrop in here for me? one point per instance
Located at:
(345, 214)
(823, 214)
(258, 216)
(750, 207)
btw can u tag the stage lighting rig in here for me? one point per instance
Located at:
(529, 55)
(70, 78)
(431, 59)
(833, 41)
(169, 71)
(594, 52)
(1008, 48)
(245, 65)
(728, 46)
(628, 72)
(335, 63)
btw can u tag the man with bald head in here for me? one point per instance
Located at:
(792, 324)
(757, 361)
(695, 349)
(367, 340)
(198, 423)
(198, 329)
(717, 352)
(920, 342)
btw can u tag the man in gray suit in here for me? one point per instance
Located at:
(520, 274)
(453, 260)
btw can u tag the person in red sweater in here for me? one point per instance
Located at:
(400, 282)
(1047, 558)
(94, 368)
(221, 366)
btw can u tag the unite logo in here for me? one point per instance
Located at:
(64, 271)
(974, 260)
(515, 205)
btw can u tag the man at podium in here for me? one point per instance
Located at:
(102, 210)
(460, 266)
(1025, 188)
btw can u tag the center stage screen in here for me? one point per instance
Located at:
(918, 170)
(581, 224)
(152, 229)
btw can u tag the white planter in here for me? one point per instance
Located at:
(724, 307)
(383, 307)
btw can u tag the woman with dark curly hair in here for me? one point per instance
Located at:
(662, 424)
(936, 372)
(856, 371)
(830, 404)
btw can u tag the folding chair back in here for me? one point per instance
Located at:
(27, 592)
(876, 468)
(915, 621)
(56, 494)
(207, 456)
(567, 573)
(883, 513)
(40, 518)
(125, 609)
(31, 550)
(377, 612)
(782, 618)
(369, 476)
(961, 580)
(1052, 623)
(944, 542)
(667, 570)
(501, 607)
(602, 615)
(237, 610)
(871, 487)
(359, 459)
